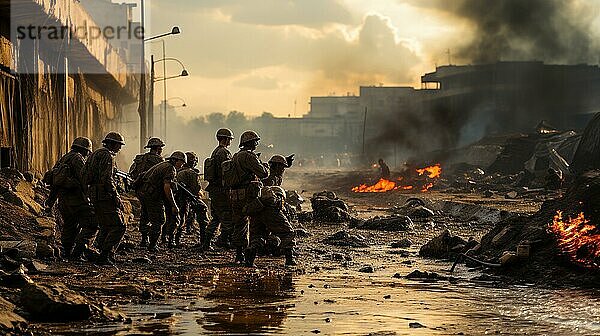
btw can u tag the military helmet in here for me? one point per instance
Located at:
(114, 137)
(225, 133)
(279, 191)
(248, 136)
(278, 159)
(154, 142)
(83, 143)
(178, 155)
(191, 157)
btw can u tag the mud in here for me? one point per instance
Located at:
(180, 292)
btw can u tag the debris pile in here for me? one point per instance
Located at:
(327, 207)
(346, 239)
(446, 246)
(384, 223)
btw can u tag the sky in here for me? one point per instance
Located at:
(273, 55)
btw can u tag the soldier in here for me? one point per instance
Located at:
(243, 174)
(220, 203)
(141, 164)
(99, 176)
(157, 195)
(384, 170)
(271, 221)
(188, 177)
(277, 165)
(79, 222)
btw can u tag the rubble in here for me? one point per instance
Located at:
(9, 320)
(385, 223)
(403, 243)
(328, 207)
(343, 238)
(55, 303)
(445, 246)
(366, 269)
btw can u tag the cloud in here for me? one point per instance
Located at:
(258, 82)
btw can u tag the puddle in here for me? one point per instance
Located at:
(346, 302)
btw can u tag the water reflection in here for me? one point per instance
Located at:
(248, 301)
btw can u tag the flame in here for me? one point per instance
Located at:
(382, 185)
(434, 171)
(578, 238)
(427, 187)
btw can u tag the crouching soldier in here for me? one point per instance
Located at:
(156, 193)
(190, 205)
(141, 164)
(66, 182)
(99, 176)
(271, 221)
(277, 166)
(242, 174)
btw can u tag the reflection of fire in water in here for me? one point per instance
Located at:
(431, 173)
(578, 238)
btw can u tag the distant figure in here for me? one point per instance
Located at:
(384, 170)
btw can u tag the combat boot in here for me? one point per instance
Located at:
(145, 241)
(105, 259)
(290, 259)
(153, 245)
(250, 257)
(78, 253)
(239, 256)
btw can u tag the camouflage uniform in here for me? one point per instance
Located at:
(141, 164)
(243, 194)
(189, 210)
(271, 221)
(152, 197)
(102, 191)
(220, 203)
(79, 222)
(273, 180)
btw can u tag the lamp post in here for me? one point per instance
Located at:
(174, 31)
(184, 73)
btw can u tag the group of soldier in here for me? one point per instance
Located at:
(247, 203)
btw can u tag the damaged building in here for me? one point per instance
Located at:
(46, 98)
(457, 105)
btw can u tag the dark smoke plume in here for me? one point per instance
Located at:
(555, 31)
(552, 31)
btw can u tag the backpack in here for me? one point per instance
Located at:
(210, 171)
(231, 173)
(138, 162)
(60, 176)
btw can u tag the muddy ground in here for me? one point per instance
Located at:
(186, 278)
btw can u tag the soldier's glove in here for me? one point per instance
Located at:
(290, 160)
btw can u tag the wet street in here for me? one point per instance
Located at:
(347, 302)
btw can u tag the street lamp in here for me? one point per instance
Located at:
(183, 104)
(174, 31)
(184, 73)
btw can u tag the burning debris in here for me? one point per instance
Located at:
(430, 173)
(578, 238)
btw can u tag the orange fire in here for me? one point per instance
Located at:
(434, 171)
(382, 185)
(578, 238)
(427, 187)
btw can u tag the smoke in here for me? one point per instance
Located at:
(554, 31)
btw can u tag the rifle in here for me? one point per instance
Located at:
(127, 180)
(187, 193)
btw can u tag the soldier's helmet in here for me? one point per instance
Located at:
(83, 143)
(114, 137)
(278, 159)
(192, 158)
(279, 191)
(154, 142)
(248, 136)
(224, 133)
(178, 155)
